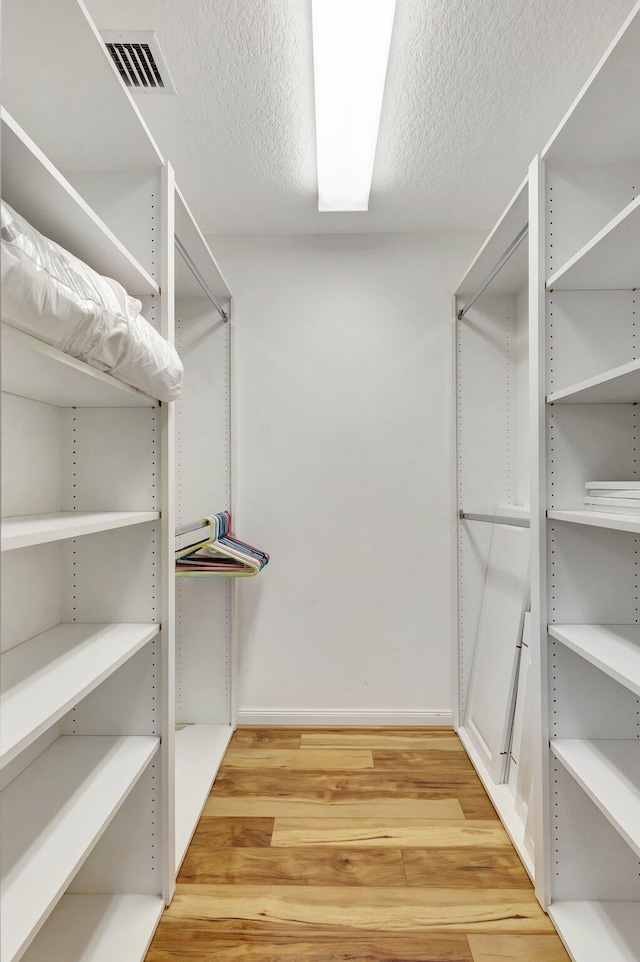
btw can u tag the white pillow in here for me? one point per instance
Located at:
(54, 296)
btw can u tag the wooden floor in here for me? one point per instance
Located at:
(351, 846)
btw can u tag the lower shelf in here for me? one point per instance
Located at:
(614, 649)
(504, 803)
(53, 814)
(199, 752)
(609, 772)
(98, 928)
(599, 931)
(45, 676)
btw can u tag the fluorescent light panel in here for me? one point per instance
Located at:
(351, 40)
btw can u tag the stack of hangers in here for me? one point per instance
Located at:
(220, 555)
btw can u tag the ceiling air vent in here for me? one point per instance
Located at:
(139, 60)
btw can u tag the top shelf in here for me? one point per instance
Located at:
(609, 261)
(513, 277)
(59, 82)
(38, 191)
(192, 238)
(592, 132)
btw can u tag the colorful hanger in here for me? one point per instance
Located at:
(221, 555)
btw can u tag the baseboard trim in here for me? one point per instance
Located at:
(356, 718)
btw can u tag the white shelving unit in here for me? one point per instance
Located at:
(87, 709)
(492, 360)
(586, 582)
(583, 274)
(205, 641)
(100, 794)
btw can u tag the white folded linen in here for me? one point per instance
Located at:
(54, 296)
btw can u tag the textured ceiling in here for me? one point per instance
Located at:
(474, 89)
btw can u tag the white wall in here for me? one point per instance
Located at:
(343, 365)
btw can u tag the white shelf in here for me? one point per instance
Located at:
(614, 649)
(598, 519)
(503, 801)
(53, 814)
(98, 928)
(599, 931)
(594, 131)
(199, 752)
(609, 772)
(73, 104)
(513, 277)
(26, 530)
(47, 675)
(610, 259)
(190, 235)
(39, 192)
(33, 369)
(621, 385)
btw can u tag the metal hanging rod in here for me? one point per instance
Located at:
(193, 526)
(494, 519)
(495, 270)
(200, 279)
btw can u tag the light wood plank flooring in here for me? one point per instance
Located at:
(377, 845)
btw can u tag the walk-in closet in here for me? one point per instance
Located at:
(320, 490)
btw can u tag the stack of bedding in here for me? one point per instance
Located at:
(617, 497)
(54, 296)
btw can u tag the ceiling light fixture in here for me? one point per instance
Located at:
(351, 40)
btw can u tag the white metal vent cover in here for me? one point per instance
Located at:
(139, 60)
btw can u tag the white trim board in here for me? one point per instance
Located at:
(335, 717)
(503, 801)
(199, 753)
